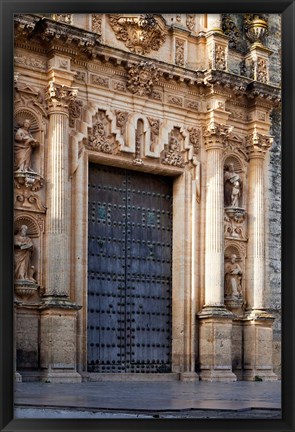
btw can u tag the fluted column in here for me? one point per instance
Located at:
(257, 145)
(214, 249)
(215, 352)
(58, 317)
(258, 322)
(58, 199)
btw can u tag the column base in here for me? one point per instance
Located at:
(259, 375)
(258, 346)
(218, 375)
(215, 344)
(61, 377)
(18, 377)
(188, 376)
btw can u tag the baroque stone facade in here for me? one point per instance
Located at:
(186, 102)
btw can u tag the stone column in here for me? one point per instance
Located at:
(58, 313)
(215, 319)
(58, 188)
(258, 322)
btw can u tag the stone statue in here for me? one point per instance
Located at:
(23, 147)
(232, 187)
(23, 249)
(232, 278)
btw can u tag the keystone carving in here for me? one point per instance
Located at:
(139, 33)
(142, 77)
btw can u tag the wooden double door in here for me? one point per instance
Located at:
(129, 271)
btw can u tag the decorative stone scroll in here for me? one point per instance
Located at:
(139, 33)
(142, 77)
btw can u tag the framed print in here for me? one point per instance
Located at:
(147, 188)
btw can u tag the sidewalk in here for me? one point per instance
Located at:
(149, 398)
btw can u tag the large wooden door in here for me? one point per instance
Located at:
(129, 271)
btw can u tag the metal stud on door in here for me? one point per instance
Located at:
(129, 271)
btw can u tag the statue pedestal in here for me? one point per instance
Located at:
(25, 289)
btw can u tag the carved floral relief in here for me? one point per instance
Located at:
(142, 77)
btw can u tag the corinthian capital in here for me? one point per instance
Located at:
(60, 96)
(216, 135)
(257, 144)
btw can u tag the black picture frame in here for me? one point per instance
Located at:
(8, 9)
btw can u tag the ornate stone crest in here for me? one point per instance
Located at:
(142, 77)
(140, 33)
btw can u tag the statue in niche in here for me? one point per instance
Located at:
(232, 187)
(232, 278)
(23, 147)
(23, 249)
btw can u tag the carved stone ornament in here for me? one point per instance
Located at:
(25, 199)
(216, 133)
(220, 57)
(30, 180)
(121, 120)
(64, 18)
(173, 156)
(155, 125)
(96, 21)
(261, 70)
(98, 140)
(75, 108)
(190, 21)
(230, 29)
(257, 144)
(179, 52)
(139, 33)
(234, 219)
(256, 28)
(194, 137)
(60, 96)
(142, 77)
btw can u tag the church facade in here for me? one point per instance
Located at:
(145, 191)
